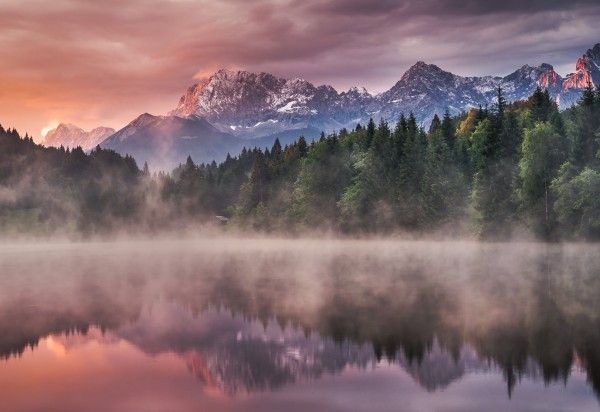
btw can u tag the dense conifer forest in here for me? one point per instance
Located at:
(510, 169)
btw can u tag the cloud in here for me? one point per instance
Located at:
(102, 63)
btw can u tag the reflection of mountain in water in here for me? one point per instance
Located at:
(229, 354)
(298, 311)
(256, 365)
(225, 351)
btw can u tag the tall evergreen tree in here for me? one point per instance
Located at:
(367, 203)
(443, 191)
(448, 131)
(410, 173)
(259, 178)
(585, 140)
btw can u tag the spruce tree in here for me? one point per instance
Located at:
(443, 190)
(410, 173)
(448, 131)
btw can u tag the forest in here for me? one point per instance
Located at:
(510, 169)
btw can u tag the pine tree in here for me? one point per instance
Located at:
(410, 173)
(435, 125)
(259, 178)
(302, 146)
(370, 133)
(448, 131)
(398, 139)
(585, 140)
(367, 203)
(443, 190)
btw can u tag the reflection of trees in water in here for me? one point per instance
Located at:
(545, 323)
(419, 307)
(245, 356)
(37, 298)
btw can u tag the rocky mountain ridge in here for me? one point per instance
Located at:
(253, 105)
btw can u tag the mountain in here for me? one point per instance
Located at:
(165, 141)
(69, 135)
(587, 69)
(233, 109)
(250, 105)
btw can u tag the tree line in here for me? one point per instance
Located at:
(493, 172)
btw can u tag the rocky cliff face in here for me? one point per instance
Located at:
(587, 70)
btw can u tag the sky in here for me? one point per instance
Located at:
(102, 63)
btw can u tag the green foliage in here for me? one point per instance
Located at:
(324, 174)
(578, 201)
(367, 203)
(542, 156)
(495, 150)
(585, 130)
(443, 192)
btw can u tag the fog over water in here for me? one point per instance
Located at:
(321, 324)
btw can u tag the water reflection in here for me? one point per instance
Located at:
(231, 354)
(251, 316)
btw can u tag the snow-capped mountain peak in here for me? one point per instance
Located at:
(244, 103)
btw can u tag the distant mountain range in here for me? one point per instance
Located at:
(235, 109)
(69, 135)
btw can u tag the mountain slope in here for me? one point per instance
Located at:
(165, 141)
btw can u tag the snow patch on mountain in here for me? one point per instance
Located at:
(288, 108)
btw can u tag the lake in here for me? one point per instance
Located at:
(289, 324)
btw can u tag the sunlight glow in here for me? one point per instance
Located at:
(53, 124)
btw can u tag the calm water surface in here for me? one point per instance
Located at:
(297, 325)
